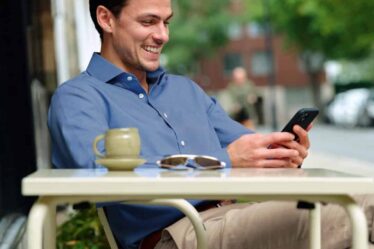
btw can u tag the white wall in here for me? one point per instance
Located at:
(75, 37)
(88, 39)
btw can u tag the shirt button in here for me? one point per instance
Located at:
(141, 95)
(183, 143)
(165, 115)
(129, 78)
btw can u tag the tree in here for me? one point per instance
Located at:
(322, 30)
(197, 29)
(358, 71)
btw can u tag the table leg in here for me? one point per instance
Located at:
(50, 226)
(190, 212)
(315, 227)
(42, 213)
(359, 224)
(37, 216)
(360, 235)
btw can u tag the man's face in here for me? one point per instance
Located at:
(140, 32)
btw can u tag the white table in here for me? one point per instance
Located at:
(160, 186)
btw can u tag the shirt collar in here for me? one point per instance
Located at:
(104, 70)
(155, 76)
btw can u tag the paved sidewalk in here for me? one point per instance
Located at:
(318, 159)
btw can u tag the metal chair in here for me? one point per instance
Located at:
(108, 232)
(12, 228)
(182, 205)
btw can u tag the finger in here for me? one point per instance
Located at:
(297, 161)
(303, 136)
(294, 165)
(277, 163)
(280, 152)
(291, 164)
(303, 151)
(310, 126)
(276, 137)
(272, 163)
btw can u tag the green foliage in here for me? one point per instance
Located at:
(253, 11)
(82, 231)
(356, 71)
(335, 28)
(198, 28)
(321, 29)
(342, 87)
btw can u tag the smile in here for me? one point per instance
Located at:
(154, 50)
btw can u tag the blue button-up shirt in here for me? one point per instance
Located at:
(175, 117)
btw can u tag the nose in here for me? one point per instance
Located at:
(161, 35)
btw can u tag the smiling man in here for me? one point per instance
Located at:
(124, 86)
(133, 40)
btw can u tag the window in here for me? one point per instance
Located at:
(260, 64)
(255, 29)
(235, 31)
(232, 61)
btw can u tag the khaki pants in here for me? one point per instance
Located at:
(266, 225)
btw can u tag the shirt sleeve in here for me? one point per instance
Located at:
(226, 129)
(76, 116)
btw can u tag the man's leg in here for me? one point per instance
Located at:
(166, 242)
(267, 225)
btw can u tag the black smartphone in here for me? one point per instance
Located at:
(302, 117)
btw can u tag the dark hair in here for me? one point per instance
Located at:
(115, 6)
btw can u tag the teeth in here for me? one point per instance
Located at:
(152, 49)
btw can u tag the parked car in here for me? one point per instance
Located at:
(352, 108)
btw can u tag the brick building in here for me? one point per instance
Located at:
(247, 48)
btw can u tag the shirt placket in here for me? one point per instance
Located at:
(167, 118)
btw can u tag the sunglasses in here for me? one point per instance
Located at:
(183, 162)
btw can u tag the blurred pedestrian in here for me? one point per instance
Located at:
(243, 96)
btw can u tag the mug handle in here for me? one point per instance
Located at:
(94, 145)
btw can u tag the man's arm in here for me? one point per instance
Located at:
(76, 116)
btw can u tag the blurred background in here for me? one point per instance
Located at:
(295, 53)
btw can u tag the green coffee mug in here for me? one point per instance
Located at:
(119, 143)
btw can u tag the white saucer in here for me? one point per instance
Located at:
(120, 163)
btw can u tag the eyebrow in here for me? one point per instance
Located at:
(156, 16)
(170, 16)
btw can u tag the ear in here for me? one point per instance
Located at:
(104, 18)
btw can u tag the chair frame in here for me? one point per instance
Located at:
(181, 204)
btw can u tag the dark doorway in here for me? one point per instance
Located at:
(17, 68)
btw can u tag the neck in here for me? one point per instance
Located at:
(109, 54)
(143, 81)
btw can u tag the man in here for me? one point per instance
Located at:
(124, 86)
(243, 95)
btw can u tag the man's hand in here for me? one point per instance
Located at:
(302, 144)
(277, 149)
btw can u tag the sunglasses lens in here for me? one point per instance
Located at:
(207, 162)
(191, 161)
(174, 161)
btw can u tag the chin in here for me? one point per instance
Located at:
(152, 67)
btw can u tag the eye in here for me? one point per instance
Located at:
(147, 22)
